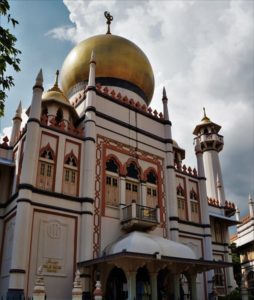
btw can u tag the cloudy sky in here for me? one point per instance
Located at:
(201, 51)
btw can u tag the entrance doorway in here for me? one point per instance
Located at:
(165, 285)
(143, 287)
(116, 288)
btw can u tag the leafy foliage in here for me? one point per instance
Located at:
(8, 54)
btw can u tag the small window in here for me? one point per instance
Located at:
(148, 191)
(73, 176)
(151, 177)
(132, 171)
(112, 166)
(49, 168)
(154, 193)
(134, 188)
(42, 170)
(114, 182)
(108, 180)
(128, 186)
(67, 175)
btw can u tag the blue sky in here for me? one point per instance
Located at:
(201, 51)
(35, 18)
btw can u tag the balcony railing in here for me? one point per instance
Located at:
(136, 216)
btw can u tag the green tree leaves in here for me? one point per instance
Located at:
(9, 54)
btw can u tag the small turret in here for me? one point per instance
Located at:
(208, 134)
(17, 120)
(91, 81)
(35, 109)
(165, 104)
(210, 143)
(251, 206)
(237, 214)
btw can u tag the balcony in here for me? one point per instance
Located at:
(139, 217)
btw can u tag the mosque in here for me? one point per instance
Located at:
(96, 182)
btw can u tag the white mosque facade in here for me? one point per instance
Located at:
(96, 182)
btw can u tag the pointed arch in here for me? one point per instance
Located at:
(71, 159)
(115, 161)
(47, 152)
(132, 165)
(150, 175)
(180, 190)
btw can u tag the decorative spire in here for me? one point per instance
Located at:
(91, 79)
(204, 112)
(165, 104)
(92, 59)
(251, 206)
(109, 20)
(19, 110)
(250, 198)
(56, 80)
(39, 79)
(205, 118)
(237, 214)
(164, 94)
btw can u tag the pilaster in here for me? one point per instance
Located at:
(89, 155)
(23, 222)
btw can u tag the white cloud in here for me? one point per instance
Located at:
(202, 52)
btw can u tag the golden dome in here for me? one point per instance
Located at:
(55, 93)
(119, 62)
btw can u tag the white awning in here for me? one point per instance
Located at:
(7, 162)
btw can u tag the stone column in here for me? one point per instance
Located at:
(143, 194)
(193, 284)
(23, 221)
(153, 278)
(208, 253)
(176, 286)
(131, 285)
(89, 157)
(170, 180)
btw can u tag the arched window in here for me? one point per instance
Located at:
(181, 202)
(151, 189)
(112, 183)
(46, 169)
(132, 183)
(195, 214)
(70, 175)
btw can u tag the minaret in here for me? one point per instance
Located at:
(171, 200)
(86, 245)
(251, 206)
(237, 214)
(23, 221)
(211, 143)
(208, 252)
(17, 120)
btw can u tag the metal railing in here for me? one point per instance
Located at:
(140, 212)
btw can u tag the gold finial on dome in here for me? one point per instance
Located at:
(56, 80)
(109, 20)
(205, 119)
(55, 93)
